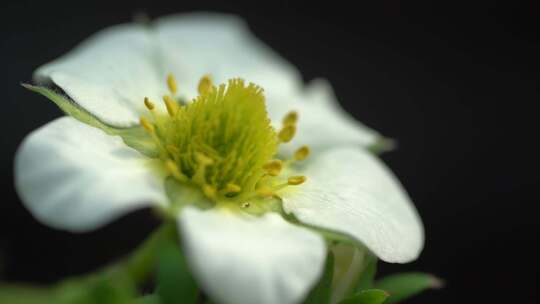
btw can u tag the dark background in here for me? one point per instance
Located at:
(455, 85)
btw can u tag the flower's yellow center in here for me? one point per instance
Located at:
(222, 141)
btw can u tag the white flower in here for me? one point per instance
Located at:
(253, 236)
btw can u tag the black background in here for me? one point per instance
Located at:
(455, 85)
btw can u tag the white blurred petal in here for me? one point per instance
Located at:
(352, 192)
(221, 45)
(110, 73)
(75, 177)
(241, 259)
(322, 122)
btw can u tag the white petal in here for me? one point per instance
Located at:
(110, 73)
(241, 259)
(352, 192)
(322, 122)
(222, 45)
(75, 177)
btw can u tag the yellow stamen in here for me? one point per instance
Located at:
(291, 118)
(203, 160)
(273, 167)
(171, 83)
(147, 125)
(286, 134)
(149, 105)
(172, 106)
(265, 191)
(302, 153)
(209, 191)
(223, 143)
(173, 170)
(296, 180)
(205, 84)
(232, 189)
(200, 173)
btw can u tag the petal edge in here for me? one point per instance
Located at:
(352, 192)
(75, 177)
(241, 259)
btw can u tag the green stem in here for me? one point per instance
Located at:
(123, 276)
(143, 260)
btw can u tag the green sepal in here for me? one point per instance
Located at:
(368, 273)
(322, 292)
(328, 234)
(382, 145)
(404, 285)
(138, 139)
(174, 281)
(70, 108)
(369, 296)
(348, 267)
(134, 137)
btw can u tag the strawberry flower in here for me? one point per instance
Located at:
(195, 117)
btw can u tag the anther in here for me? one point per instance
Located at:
(173, 170)
(265, 191)
(203, 159)
(232, 189)
(209, 191)
(291, 118)
(149, 105)
(296, 180)
(245, 205)
(302, 153)
(171, 83)
(286, 134)
(273, 167)
(205, 84)
(172, 106)
(148, 126)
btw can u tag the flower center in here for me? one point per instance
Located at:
(222, 141)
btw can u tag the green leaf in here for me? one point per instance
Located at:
(113, 288)
(149, 299)
(370, 296)
(112, 285)
(18, 294)
(368, 273)
(174, 280)
(404, 285)
(322, 292)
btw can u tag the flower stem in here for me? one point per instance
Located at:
(122, 278)
(143, 260)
